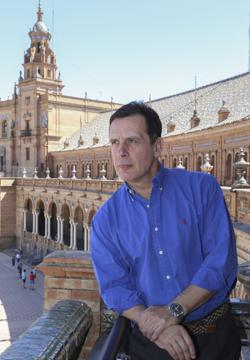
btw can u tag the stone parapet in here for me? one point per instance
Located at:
(7, 213)
(70, 275)
(58, 334)
(92, 185)
(242, 232)
(238, 203)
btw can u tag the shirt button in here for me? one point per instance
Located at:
(161, 188)
(148, 205)
(156, 228)
(168, 277)
(161, 252)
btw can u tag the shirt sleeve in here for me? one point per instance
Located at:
(113, 272)
(219, 267)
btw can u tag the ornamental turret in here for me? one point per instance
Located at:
(39, 59)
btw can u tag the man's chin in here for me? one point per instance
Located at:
(124, 177)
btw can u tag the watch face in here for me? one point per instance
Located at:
(176, 310)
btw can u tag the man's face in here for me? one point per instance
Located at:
(134, 157)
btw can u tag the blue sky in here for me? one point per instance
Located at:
(129, 49)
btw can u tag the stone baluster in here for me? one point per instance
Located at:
(60, 173)
(88, 172)
(24, 173)
(35, 173)
(47, 173)
(73, 172)
(103, 173)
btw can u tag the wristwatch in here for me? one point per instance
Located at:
(176, 310)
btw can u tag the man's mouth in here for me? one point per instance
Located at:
(124, 166)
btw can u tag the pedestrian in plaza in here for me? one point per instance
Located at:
(24, 277)
(13, 260)
(34, 272)
(32, 277)
(19, 269)
(18, 257)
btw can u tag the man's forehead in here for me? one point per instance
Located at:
(134, 123)
(127, 134)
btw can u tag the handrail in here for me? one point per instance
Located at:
(114, 339)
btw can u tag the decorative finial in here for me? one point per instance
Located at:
(39, 13)
(206, 167)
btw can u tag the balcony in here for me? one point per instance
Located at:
(26, 133)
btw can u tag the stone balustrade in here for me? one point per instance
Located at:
(58, 334)
(104, 186)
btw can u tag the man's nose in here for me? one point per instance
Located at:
(123, 149)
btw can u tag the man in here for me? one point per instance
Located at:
(163, 249)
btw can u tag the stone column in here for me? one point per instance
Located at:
(37, 213)
(34, 222)
(85, 237)
(74, 236)
(24, 219)
(71, 234)
(61, 231)
(58, 229)
(88, 238)
(48, 227)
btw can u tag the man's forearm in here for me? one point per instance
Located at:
(134, 313)
(192, 297)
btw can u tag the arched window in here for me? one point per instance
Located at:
(4, 129)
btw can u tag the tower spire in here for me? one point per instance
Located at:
(39, 13)
(249, 47)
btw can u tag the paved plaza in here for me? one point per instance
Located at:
(18, 307)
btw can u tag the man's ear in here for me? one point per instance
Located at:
(158, 146)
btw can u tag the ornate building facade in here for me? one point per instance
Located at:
(39, 116)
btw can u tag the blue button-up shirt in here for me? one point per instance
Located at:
(147, 251)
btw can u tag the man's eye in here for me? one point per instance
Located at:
(131, 141)
(113, 142)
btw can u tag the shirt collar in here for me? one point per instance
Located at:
(158, 180)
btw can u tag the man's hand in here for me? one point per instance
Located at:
(154, 320)
(177, 342)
